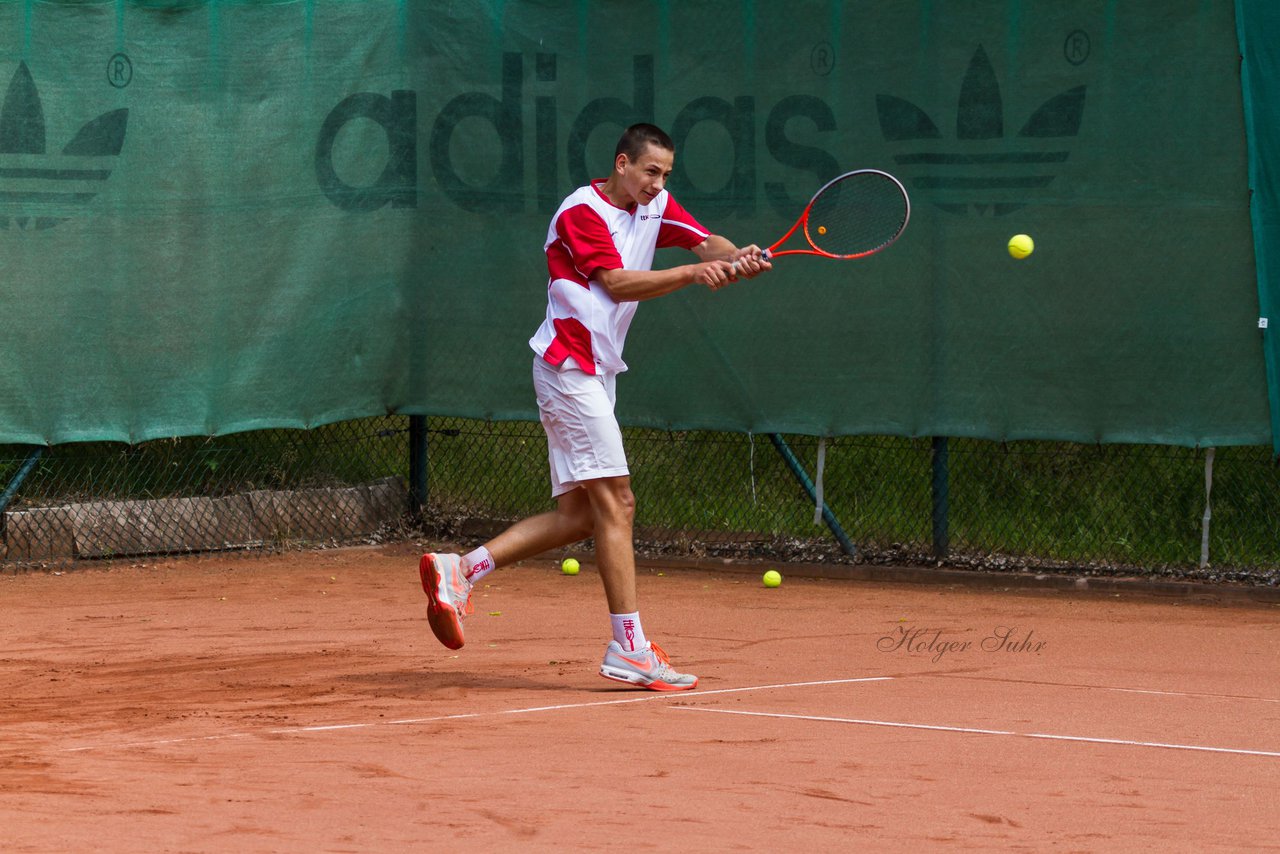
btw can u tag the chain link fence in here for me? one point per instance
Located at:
(1206, 514)
(273, 488)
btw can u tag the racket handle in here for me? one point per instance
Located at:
(765, 254)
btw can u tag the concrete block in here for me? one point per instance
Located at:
(38, 533)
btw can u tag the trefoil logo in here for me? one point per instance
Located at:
(979, 169)
(39, 190)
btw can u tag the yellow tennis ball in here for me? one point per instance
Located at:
(569, 566)
(1021, 245)
(822, 229)
(772, 578)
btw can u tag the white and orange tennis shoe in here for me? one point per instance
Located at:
(448, 596)
(649, 668)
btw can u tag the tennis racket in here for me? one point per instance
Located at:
(852, 216)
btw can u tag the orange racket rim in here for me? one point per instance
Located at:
(804, 218)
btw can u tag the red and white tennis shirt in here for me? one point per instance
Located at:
(590, 233)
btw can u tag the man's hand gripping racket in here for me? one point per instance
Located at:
(854, 215)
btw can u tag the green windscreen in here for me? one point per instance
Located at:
(221, 216)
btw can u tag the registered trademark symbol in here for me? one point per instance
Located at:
(1076, 47)
(822, 58)
(119, 71)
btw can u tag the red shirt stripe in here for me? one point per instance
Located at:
(587, 238)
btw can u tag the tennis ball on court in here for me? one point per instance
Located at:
(1021, 245)
(772, 578)
(822, 229)
(569, 566)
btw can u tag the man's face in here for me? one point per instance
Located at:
(643, 178)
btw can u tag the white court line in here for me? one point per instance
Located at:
(960, 729)
(673, 695)
(1197, 694)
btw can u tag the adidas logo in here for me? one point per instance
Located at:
(38, 190)
(980, 169)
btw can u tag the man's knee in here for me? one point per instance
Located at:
(627, 500)
(612, 499)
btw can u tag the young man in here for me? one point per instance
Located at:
(599, 251)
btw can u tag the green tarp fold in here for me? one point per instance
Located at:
(1259, 30)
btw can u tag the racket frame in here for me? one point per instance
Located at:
(773, 252)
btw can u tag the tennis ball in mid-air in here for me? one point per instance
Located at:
(1021, 245)
(569, 566)
(772, 578)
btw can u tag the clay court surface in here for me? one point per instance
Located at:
(299, 703)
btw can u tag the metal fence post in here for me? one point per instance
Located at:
(941, 504)
(418, 463)
(803, 477)
(1208, 508)
(12, 489)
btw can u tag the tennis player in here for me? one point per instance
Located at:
(599, 250)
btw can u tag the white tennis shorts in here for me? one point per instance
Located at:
(584, 440)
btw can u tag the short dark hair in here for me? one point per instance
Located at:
(635, 138)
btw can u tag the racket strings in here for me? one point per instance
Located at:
(857, 214)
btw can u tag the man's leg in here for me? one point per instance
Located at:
(629, 658)
(447, 580)
(613, 509)
(570, 522)
(604, 507)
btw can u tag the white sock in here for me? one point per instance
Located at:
(477, 564)
(627, 631)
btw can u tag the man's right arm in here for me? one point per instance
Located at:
(638, 285)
